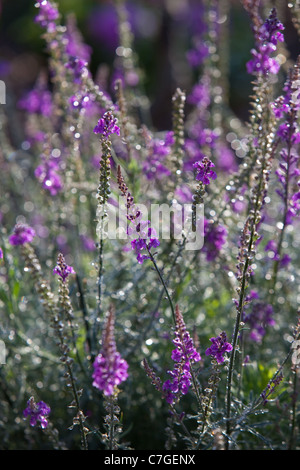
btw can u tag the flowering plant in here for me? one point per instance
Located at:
(161, 190)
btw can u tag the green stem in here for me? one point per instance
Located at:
(163, 283)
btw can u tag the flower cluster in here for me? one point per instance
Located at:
(219, 347)
(48, 175)
(159, 149)
(38, 412)
(267, 37)
(184, 355)
(215, 236)
(204, 172)
(143, 236)
(109, 367)
(78, 67)
(47, 16)
(107, 125)
(62, 269)
(288, 171)
(37, 101)
(146, 240)
(22, 234)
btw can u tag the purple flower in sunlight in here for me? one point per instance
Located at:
(78, 67)
(219, 347)
(62, 269)
(107, 125)
(184, 355)
(47, 174)
(146, 239)
(109, 367)
(142, 235)
(38, 412)
(159, 149)
(204, 171)
(22, 234)
(47, 15)
(267, 37)
(1, 253)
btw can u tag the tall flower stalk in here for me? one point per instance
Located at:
(23, 235)
(106, 126)
(109, 371)
(261, 145)
(287, 107)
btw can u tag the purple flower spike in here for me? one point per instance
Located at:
(22, 234)
(204, 171)
(37, 412)
(62, 269)
(107, 125)
(184, 356)
(219, 347)
(47, 15)
(267, 38)
(109, 367)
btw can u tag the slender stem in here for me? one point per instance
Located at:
(293, 412)
(83, 307)
(163, 283)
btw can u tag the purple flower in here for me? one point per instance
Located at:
(184, 356)
(258, 319)
(146, 240)
(267, 37)
(197, 55)
(47, 15)
(47, 174)
(37, 412)
(219, 347)
(204, 171)
(78, 67)
(200, 95)
(143, 236)
(88, 243)
(107, 125)
(22, 234)
(37, 101)
(62, 269)
(1, 253)
(158, 150)
(109, 367)
(214, 238)
(75, 46)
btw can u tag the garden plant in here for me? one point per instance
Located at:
(149, 233)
